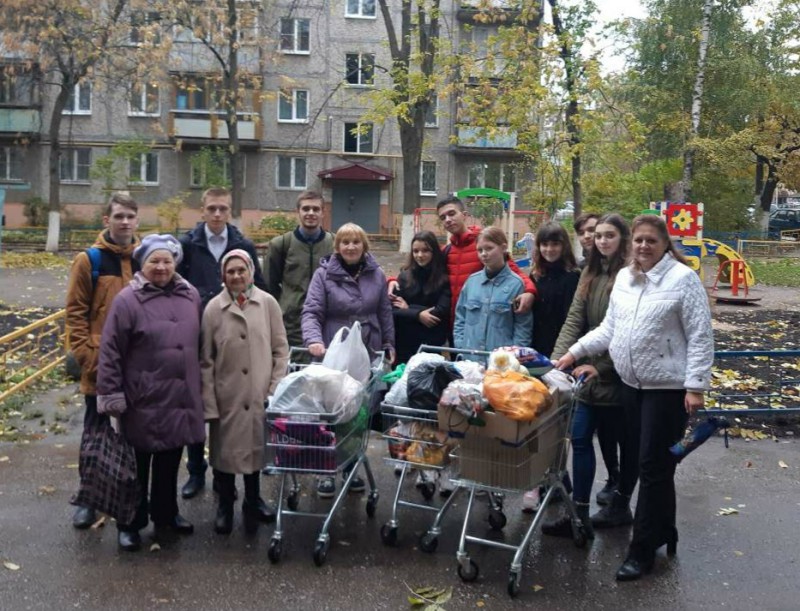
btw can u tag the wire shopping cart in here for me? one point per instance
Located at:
(416, 444)
(490, 464)
(307, 442)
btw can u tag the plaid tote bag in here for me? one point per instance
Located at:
(108, 474)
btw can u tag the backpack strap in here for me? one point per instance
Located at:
(94, 258)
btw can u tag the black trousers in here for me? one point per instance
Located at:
(660, 417)
(226, 484)
(161, 505)
(196, 463)
(610, 426)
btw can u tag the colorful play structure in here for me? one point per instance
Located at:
(685, 226)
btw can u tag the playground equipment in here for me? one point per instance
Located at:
(685, 226)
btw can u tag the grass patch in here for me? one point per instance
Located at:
(33, 260)
(776, 272)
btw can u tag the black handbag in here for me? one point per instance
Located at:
(107, 466)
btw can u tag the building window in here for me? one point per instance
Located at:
(10, 163)
(200, 172)
(80, 100)
(144, 100)
(75, 164)
(194, 92)
(358, 137)
(142, 28)
(427, 178)
(360, 68)
(291, 172)
(493, 175)
(293, 106)
(247, 24)
(144, 169)
(360, 8)
(295, 35)
(432, 114)
(7, 93)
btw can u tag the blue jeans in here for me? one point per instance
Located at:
(584, 422)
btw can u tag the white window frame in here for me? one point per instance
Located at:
(359, 137)
(294, 184)
(504, 168)
(434, 110)
(422, 189)
(361, 55)
(75, 165)
(147, 19)
(228, 176)
(141, 95)
(144, 161)
(76, 98)
(360, 14)
(12, 160)
(295, 50)
(290, 97)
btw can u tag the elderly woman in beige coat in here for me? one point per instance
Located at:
(243, 357)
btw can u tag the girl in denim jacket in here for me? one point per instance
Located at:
(485, 317)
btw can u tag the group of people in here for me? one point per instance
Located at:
(172, 334)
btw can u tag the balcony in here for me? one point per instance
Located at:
(20, 121)
(209, 126)
(476, 138)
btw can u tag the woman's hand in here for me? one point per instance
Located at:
(389, 354)
(392, 287)
(316, 350)
(524, 303)
(398, 302)
(587, 371)
(693, 402)
(565, 362)
(428, 318)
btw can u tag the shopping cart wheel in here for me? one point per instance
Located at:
(497, 519)
(293, 501)
(321, 552)
(513, 584)
(389, 534)
(275, 550)
(428, 542)
(470, 574)
(372, 503)
(427, 490)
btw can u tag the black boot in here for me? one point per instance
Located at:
(617, 513)
(225, 484)
(563, 526)
(633, 568)
(254, 509)
(605, 495)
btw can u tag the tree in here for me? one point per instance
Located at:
(229, 32)
(72, 41)
(413, 48)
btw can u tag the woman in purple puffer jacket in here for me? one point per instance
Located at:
(348, 286)
(148, 378)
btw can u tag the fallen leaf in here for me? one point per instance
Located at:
(4, 459)
(748, 464)
(727, 511)
(101, 521)
(538, 588)
(73, 465)
(59, 445)
(11, 566)
(480, 603)
(155, 547)
(46, 490)
(782, 465)
(738, 553)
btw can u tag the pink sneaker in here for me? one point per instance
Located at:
(530, 501)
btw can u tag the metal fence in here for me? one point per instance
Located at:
(29, 353)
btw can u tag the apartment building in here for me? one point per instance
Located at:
(296, 132)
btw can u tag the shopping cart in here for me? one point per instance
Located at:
(300, 443)
(540, 460)
(406, 428)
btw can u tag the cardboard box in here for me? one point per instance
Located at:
(493, 463)
(495, 425)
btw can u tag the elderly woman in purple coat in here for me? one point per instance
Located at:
(149, 379)
(348, 286)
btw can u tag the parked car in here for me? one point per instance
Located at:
(783, 219)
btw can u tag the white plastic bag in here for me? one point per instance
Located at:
(471, 371)
(349, 353)
(317, 389)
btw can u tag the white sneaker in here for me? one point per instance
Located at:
(446, 486)
(530, 501)
(423, 478)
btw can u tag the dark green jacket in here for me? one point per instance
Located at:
(289, 265)
(584, 315)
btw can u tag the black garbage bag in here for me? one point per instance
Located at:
(427, 382)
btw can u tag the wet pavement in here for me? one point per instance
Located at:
(748, 560)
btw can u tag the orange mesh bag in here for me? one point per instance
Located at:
(515, 395)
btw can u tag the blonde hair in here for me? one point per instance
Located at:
(496, 235)
(351, 230)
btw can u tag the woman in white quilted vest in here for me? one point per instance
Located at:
(658, 332)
